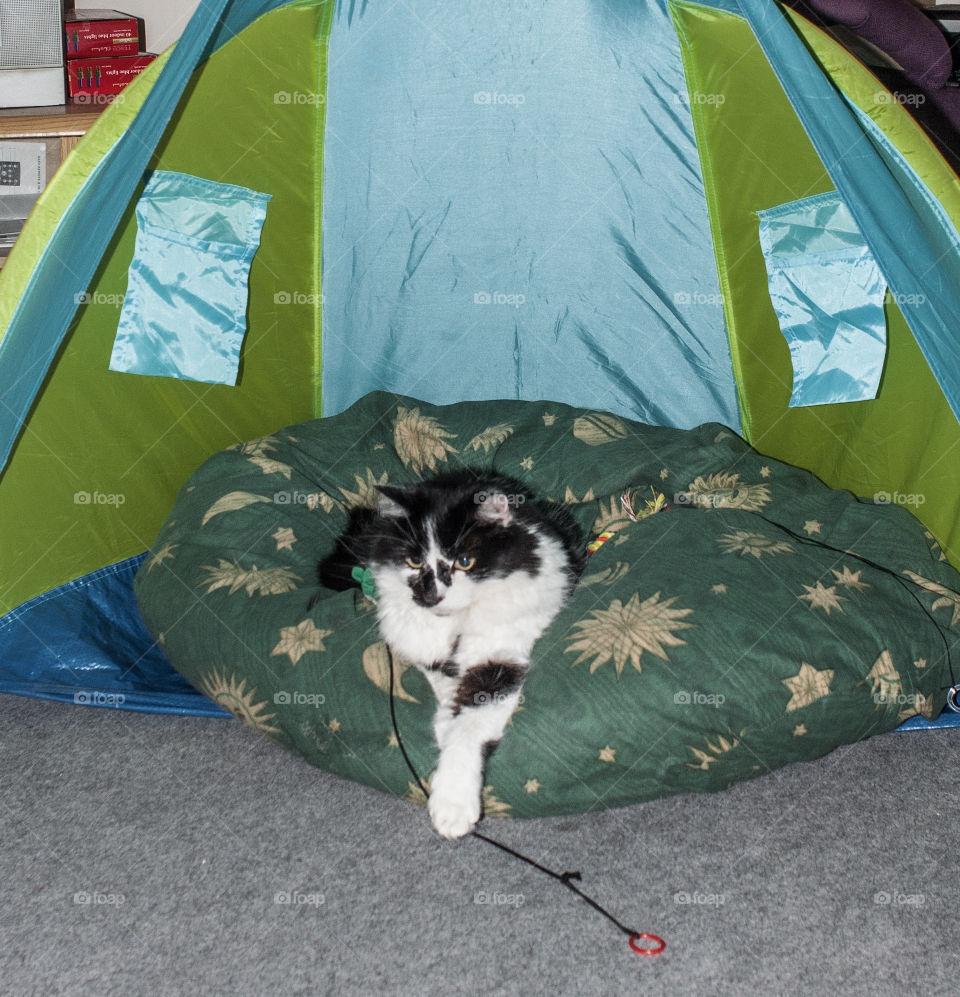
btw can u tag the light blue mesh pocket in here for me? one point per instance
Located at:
(828, 292)
(184, 314)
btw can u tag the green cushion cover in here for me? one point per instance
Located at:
(761, 619)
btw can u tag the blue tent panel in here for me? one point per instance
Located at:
(523, 217)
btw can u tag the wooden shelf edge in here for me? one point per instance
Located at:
(62, 119)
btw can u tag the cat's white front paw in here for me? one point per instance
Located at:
(453, 817)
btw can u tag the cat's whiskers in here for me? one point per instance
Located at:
(465, 530)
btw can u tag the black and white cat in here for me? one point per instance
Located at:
(469, 572)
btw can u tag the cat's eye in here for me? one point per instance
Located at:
(414, 563)
(464, 563)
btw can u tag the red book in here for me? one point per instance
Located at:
(104, 77)
(100, 32)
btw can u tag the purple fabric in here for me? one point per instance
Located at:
(901, 30)
(917, 44)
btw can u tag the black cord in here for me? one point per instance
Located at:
(566, 877)
(658, 944)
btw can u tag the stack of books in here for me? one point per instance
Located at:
(103, 54)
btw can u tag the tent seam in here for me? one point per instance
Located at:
(320, 120)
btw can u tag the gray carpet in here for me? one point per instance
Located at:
(156, 855)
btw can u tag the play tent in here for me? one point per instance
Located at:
(679, 212)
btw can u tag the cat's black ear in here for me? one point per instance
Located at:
(391, 501)
(493, 508)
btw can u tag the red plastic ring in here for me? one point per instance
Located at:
(658, 943)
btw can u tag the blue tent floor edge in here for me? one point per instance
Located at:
(84, 643)
(946, 719)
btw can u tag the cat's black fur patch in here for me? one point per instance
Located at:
(482, 684)
(351, 550)
(488, 749)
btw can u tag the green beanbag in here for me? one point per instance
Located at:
(744, 616)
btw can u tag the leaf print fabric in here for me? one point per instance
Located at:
(233, 577)
(420, 441)
(364, 495)
(230, 503)
(491, 437)
(747, 624)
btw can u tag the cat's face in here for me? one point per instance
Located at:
(440, 547)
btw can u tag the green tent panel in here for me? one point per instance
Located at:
(112, 438)
(898, 444)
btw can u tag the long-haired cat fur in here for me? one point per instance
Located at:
(469, 571)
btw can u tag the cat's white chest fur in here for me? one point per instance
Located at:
(414, 633)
